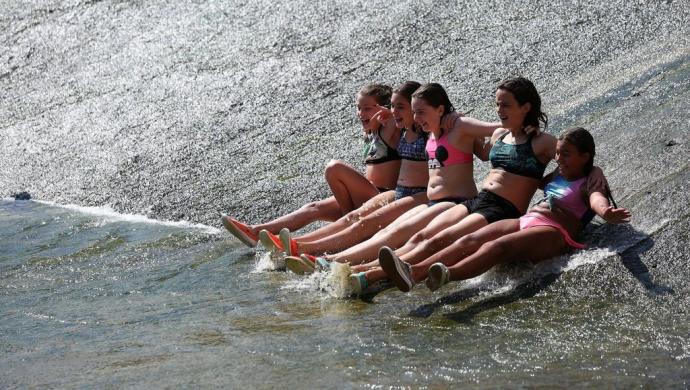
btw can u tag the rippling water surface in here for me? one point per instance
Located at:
(90, 297)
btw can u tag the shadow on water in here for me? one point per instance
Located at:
(630, 257)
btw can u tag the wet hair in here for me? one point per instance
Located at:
(434, 95)
(407, 89)
(525, 92)
(583, 141)
(381, 93)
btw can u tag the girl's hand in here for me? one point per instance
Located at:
(448, 121)
(612, 215)
(384, 116)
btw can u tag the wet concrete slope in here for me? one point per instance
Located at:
(179, 111)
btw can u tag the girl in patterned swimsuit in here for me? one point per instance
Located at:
(571, 202)
(350, 188)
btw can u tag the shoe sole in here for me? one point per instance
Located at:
(235, 231)
(298, 265)
(284, 236)
(435, 278)
(394, 269)
(266, 241)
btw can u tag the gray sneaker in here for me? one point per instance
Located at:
(358, 282)
(438, 276)
(397, 270)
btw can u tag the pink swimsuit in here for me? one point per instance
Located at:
(442, 154)
(567, 195)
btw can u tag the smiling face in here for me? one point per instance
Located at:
(367, 108)
(427, 116)
(511, 113)
(571, 161)
(402, 112)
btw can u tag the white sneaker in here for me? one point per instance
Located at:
(438, 276)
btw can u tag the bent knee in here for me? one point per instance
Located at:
(469, 241)
(419, 237)
(334, 167)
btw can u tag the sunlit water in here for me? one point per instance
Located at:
(93, 298)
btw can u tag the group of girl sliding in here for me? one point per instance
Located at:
(416, 214)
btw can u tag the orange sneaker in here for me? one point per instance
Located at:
(289, 244)
(240, 230)
(308, 257)
(270, 241)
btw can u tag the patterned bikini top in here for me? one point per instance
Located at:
(413, 151)
(377, 151)
(518, 159)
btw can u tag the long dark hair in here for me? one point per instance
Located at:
(525, 92)
(435, 95)
(583, 141)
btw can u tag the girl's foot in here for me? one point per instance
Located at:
(308, 257)
(299, 265)
(288, 243)
(240, 230)
(270, 241)
(438, 276)
(397, 270)
(358, 282)
(322, 264)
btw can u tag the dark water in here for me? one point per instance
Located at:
(92, 298)
(182, 111)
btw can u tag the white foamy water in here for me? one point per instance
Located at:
(334, 282)
(506, 277)
(110, 215)
(269, 261)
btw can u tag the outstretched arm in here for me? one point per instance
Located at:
(475, 127)
(600, 204)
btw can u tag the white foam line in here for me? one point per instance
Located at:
(113, 216)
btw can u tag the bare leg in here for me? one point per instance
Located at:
(515, 246)
(422, 200)
(439, 234)
(350, 188)
(368, 250)
(439, 224)
(323, 210)
(463, 247)
(360, 230)
(353, 216)
(444, 239)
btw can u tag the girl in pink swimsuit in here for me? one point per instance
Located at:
(547, 230)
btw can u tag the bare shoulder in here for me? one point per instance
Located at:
(498, 133)
(543, 140)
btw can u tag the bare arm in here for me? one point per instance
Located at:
(481, 148)
(475, 127)
(544, 146)
(600, 204)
